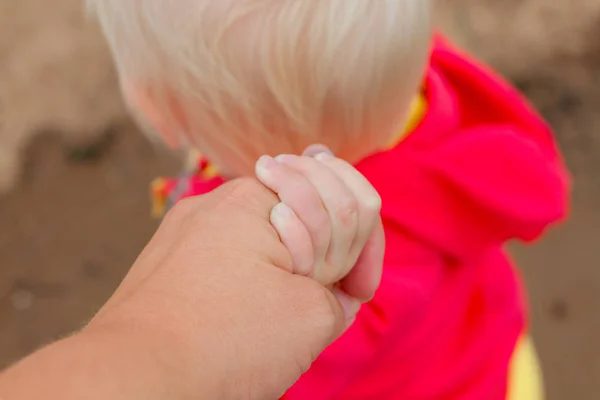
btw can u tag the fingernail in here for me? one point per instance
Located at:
(281, 210)
(349, 304)
(324, 156)
(315, 149)
(265, 162)
(263, 165)
(280, 218)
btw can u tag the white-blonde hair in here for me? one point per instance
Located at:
(251, 77)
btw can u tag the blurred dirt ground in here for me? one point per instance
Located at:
(79, 213)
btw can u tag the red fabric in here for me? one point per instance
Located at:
(481, 168)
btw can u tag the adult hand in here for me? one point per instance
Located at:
(208, 310)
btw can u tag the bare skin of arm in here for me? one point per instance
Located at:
(210, 309)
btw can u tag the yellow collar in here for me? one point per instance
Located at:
(418, 108)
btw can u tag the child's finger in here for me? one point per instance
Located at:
(350, 305)
(363, 280)
(339, 202)
(367, 198)
(315, 149)
(300, 195)
(295, 237)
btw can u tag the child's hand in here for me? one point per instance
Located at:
(328, 219)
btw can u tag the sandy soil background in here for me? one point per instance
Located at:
(74, 171)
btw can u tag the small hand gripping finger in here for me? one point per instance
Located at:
(343, 211)
(367, 200)
(364, 278)
(369, 246)
(300, 219)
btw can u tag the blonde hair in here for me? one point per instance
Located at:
(252, 77)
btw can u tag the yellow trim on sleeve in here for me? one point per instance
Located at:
(525, 381)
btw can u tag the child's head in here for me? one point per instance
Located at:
(240, 78)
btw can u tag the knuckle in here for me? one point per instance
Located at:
(317, 302)
(372, 203)
(239, 188)
(245, 194)
(347, 212)
(183, 209)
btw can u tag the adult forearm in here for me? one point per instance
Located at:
(101, 364)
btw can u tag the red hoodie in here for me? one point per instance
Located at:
(481, 169)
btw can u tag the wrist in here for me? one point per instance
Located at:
(134, 360)
(154, 360)
(105, 362)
